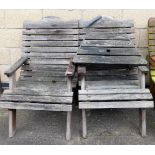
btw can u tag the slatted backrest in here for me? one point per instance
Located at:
(151, 46)
(109, 33)
(109, 37)
(49, 44)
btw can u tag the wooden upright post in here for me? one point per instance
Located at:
(12, 112)
(142, 112)
(69, 113)
(82, 72)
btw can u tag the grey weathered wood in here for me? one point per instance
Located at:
(112, 77)
(141, 76)
(17, 65)
(38, 99)
(108, 30)
(84, 124)
(43, 78)
(12, 122)
(39, 92)
(36, 106)
(53, 73)
(69, 84)
(50, 55)
(143, 122)
(59, 43)
(143, 69)
(12, 81)
(68, 128)
(108, 36)
(51, 37)
(48, 45)
(50, 24)
(108, 51)
(114, 91)
(119, 60)
(115, 97)
(110, 23)
(121, 104)
(43, 61)
(50, 49)
(109, 55)
(70, 69)
(50, 31)
(47, 67)
(107, 43)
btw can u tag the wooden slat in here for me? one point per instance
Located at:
(108, 30)
(44, 67)
(151, 30)
(108, 36)
(49, 55)
(114, 91)
(93, 87)
(36, 106)
(108, 43)
(48, 61)
(151, 42)
(151, 36)
(51, 37)
(151, 48)
(50, 24)
(106, 77)
(43, 78)
(125, 60)
(110, 23)
(38, 92)
(50, 31)
(115, 97)
(50, 43)
(115, 72)
(38, 73)
(108, 51)
(38, 99)
(112, 83)
(128, 104)
(50, 49)
(51, 86)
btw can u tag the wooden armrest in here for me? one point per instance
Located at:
(143, 69)
(70, 69)
(81, 70)
(15, 66)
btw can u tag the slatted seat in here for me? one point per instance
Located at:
(44, 84)
(111, 70)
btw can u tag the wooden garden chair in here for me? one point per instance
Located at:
(111, 70)
(44, 83)
(151, 53)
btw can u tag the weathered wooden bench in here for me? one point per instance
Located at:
(44, 83)
(111, 70)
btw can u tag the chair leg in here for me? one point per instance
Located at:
(142, 121)
(84, 124)
(68, 129)
(12, 122)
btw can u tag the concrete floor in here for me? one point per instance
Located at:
(117, 126)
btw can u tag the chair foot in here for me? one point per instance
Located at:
(68, 128)
(12, 122)
(84, 124)
(142, 121)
